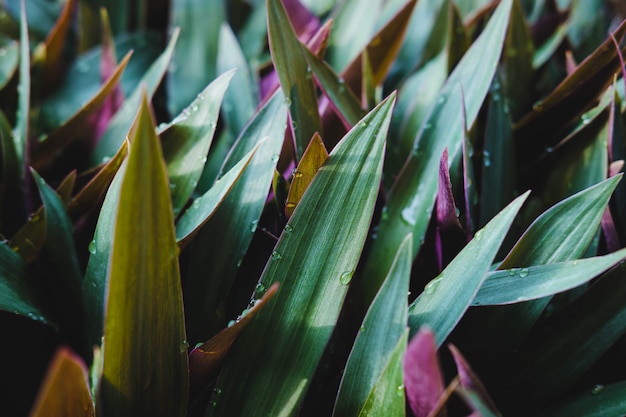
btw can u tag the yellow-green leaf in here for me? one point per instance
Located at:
(312, 159)
(145, 349)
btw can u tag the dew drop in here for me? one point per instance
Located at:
(288, 228)
(486, 158)
(512, 272)
(93, 247)
(384, 215)
(239, 262)
(478, 235)
(260, 288)
(538, 106)
(287, 101)
(401, 388)
(432, 285)
(523, 272)
(408, 215)
(346, 277)
(276, 256)
(194, 107)
(597, 389)
(362, 329)
(183, 346)
(253, 225)
(275, 158)
(585, 119)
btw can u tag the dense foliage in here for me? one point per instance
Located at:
(312, 207)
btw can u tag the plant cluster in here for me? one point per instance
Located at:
(312, 207)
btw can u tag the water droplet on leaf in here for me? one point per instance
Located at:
(346, 277)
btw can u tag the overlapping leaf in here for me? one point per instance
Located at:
(314, 261)
(411, 200)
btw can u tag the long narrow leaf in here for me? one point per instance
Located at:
(382, 329)
(186, 141)
(119, 127)
(411, 200)
(145, 350)
(462, 278)
(523, 284)
(295, 78)
(314, 261)
(237, 218)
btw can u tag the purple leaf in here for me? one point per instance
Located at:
(450, 237)
(99, 121)
(470, 381)
(423, 379)
(305, 23)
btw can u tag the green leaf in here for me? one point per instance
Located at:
(577, 339)
(374, 347)
(17, 291)
(565, 230)
(462, 278)
(412, 198)
(576, 93)
(313, 260)
(9, 50)
(205, 206)
(83, 81)
(145, 350)
(59, 240)
(65, 390)
(187, 139)
(561, 233)
(353, 27)
(387, 396)
(544, 52)
(334, 87)
(76, 126)
(602, 401)
(416, 48)
(518, 60)
(237, 218)
(240, 101)
(294, 75)
(117, 130)
(194, 63)
(96, 276)
(498, 174)
(21, 130)
(522, 284)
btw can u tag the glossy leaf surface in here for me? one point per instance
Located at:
(285, 342)
(145, 350)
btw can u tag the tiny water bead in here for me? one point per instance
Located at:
(288, 228)
(478, 235)
(523, 272)
(183, 346)
(253, 225)
(276, 256)
(432, 285)
(408, 215)
(260, 289)
(346, 277)
(275, 158)
(93, 247)
(597, 389)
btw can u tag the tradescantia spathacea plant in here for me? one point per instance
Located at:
(289, 207)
